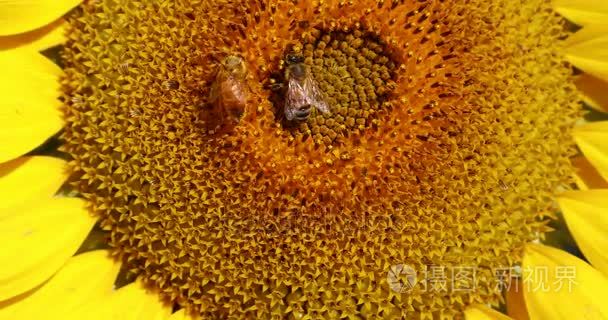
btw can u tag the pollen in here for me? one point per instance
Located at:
(448, 137)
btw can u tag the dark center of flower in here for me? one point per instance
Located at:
(355, 73)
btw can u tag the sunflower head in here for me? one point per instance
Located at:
(437, 111)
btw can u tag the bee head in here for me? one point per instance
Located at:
(293, 58)
(234, 64)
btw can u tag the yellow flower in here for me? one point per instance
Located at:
(450, 136)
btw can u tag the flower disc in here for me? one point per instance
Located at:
(449, 134)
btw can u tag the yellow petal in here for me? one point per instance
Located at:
(38, 241)
(481, 312)
(590, 54)
(36, 40)
(18, 16)
(94, 310)
(516, 305)
(586, 213)
(29, 103)
(86, 277)
(27, 181)
(131, 302)
(583, 12)
(592, 139)
(558, 285)
(594, 90)
(586, 33)
(587, 176)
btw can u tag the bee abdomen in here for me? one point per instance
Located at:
(303, 112)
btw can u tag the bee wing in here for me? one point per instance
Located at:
(315, 93)
(296, 97)
(214, 93)
(233, 97)
(237, 88)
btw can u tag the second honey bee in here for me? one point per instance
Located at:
(229, 91)
(302, 92)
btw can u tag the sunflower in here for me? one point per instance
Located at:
(454, 141)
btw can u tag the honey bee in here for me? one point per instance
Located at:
(302, 90)
(228, 95)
